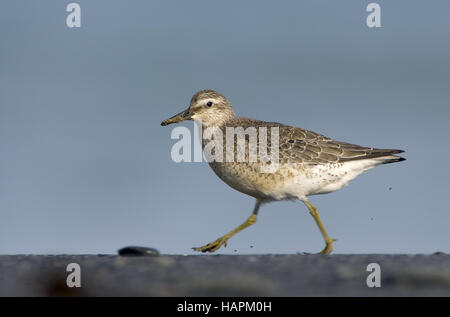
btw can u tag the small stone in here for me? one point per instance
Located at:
(138, 251)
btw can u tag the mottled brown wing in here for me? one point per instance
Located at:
(303, 146)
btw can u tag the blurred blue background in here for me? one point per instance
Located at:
(85, 166)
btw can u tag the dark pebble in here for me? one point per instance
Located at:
(138, 251)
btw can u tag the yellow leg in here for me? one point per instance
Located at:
(215, 245)
(328, 241)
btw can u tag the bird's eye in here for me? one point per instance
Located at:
(209, 104)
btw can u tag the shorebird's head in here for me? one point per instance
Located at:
(207, 106)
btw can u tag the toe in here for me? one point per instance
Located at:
(211, 247)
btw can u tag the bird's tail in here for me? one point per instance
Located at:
(387, 156)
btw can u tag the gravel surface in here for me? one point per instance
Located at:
(225, 275)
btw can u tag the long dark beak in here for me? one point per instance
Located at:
(183, 115)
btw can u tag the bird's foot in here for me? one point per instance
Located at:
(213, 246)
(328, 247)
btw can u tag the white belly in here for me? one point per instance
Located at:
(321, 179)
(290, 181)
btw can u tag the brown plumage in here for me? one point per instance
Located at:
(297, 145)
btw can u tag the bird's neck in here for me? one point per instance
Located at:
(216, 121)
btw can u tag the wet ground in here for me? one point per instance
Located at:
(225, 275)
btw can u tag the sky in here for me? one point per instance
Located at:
(85, 166)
